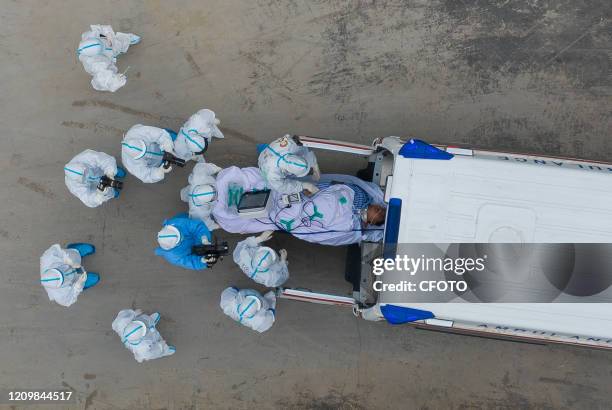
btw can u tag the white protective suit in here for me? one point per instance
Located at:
(249, 308)
(280, 170)
(201, 194)
(98, 51)
(195, 135)
(82, 175)
(261, 263)
(142, 150)
(67, 261)
(151, 345)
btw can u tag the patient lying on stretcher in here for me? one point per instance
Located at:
(345, 210)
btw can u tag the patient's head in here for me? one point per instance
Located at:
(375, 215)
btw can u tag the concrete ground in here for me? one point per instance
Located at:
(523, 75)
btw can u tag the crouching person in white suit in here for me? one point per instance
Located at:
(62, 275)
(98, 51)
(196, 134)
(284, 163)
(142, 152)
(85, 176)
(261, 263)
(201, 193)
(139, 335)
(249, 308)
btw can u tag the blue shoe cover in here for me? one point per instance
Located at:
(84, 249)
(92, 280)
(172, 134)
(261, 147)
(120, 173)
(117, 193)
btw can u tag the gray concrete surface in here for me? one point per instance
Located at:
(521, 75)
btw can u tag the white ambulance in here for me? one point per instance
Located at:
(477, 196)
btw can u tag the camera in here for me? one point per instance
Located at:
(106, 182)
(214, 252)
(168, 159)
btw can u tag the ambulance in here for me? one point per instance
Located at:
(437, 194)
